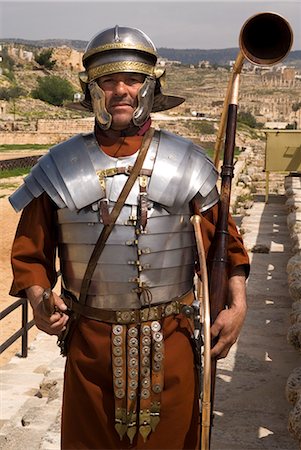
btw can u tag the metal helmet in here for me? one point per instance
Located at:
(123, 49)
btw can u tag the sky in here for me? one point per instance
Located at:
(199, 24)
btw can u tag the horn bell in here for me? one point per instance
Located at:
(265, 38)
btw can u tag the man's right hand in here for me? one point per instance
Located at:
(56, 322)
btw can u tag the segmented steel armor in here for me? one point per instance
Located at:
(156, 260)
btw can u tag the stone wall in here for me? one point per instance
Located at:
(293, 387)
(19, 138)
(48, 132)
(70, 126)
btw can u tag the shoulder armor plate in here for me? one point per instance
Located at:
(64, 174)
(67, 173)
(181, 170)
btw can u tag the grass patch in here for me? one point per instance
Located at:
(14, 147)
(17, 172)
(9, 185)
(207, 146)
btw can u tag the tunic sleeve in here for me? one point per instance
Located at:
(237, 254)
(34, 247)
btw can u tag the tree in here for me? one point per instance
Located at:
(44, 58)
(11, 92)
(296, 106)
(54, 90)
(7, 65)
(203, 127)
(247, 118)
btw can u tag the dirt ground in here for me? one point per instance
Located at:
(8, 224)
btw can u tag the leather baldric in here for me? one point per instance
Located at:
(107, 229)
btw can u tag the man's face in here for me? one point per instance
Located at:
(121, 96)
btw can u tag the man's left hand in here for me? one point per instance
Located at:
(229, 322)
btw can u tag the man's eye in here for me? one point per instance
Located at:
(134, 80)
(108, 81)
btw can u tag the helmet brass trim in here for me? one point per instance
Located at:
(121, 66)
(116, 46)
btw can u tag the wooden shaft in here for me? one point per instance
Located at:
(206, 397)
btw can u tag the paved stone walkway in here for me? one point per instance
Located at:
(250, 394)
(250, 401)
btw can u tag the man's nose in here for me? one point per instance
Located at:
(120, 88)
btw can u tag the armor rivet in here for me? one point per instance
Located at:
(158, 336)
(132, 395)
(146, 340)
(125, 316)
(155, 326)
(146, 330)
(119, 382)
(118, 361)
(118, 371)
(117, 351)
(158, 345)
(145, 361)
(187, 310)
(158, 357)
(146, 351)
(133, 332)
(117, 329)
(157, 388)
(117, 340)
(145, 371)
(133, 342)
(133, 362)
(133, 373)
(145, 393)
(157, 366)
(134, 384)
(168, 309)
(120, 393)
(146, 383)
(134, 351)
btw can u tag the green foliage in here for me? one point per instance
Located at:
(8, 173)
(291, 126)
(247, 118)
(296, 106)
(7, 65)
(202, 127)
(44, 58)
(7, 62)
(54, 90)
(11, 92)
(16, 147)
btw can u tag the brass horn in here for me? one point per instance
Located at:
(265, 39)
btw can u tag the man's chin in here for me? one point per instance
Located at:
(122, 125)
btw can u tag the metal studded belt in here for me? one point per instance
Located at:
(135, 316)
(138, 353)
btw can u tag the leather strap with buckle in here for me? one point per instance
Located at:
(155, 312)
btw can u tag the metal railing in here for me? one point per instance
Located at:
(23, 331)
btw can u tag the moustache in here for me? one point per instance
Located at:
(121, 102)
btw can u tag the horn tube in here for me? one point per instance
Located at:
(265, 39)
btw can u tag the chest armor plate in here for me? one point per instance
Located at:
(135, 267)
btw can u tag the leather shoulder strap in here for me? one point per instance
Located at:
(107, 229)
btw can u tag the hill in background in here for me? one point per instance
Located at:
(185, 56)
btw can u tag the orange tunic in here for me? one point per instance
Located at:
(88, 401)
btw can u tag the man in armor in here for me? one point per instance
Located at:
(124, 318)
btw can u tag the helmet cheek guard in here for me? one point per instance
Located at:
(103, 117)
(145, 99)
